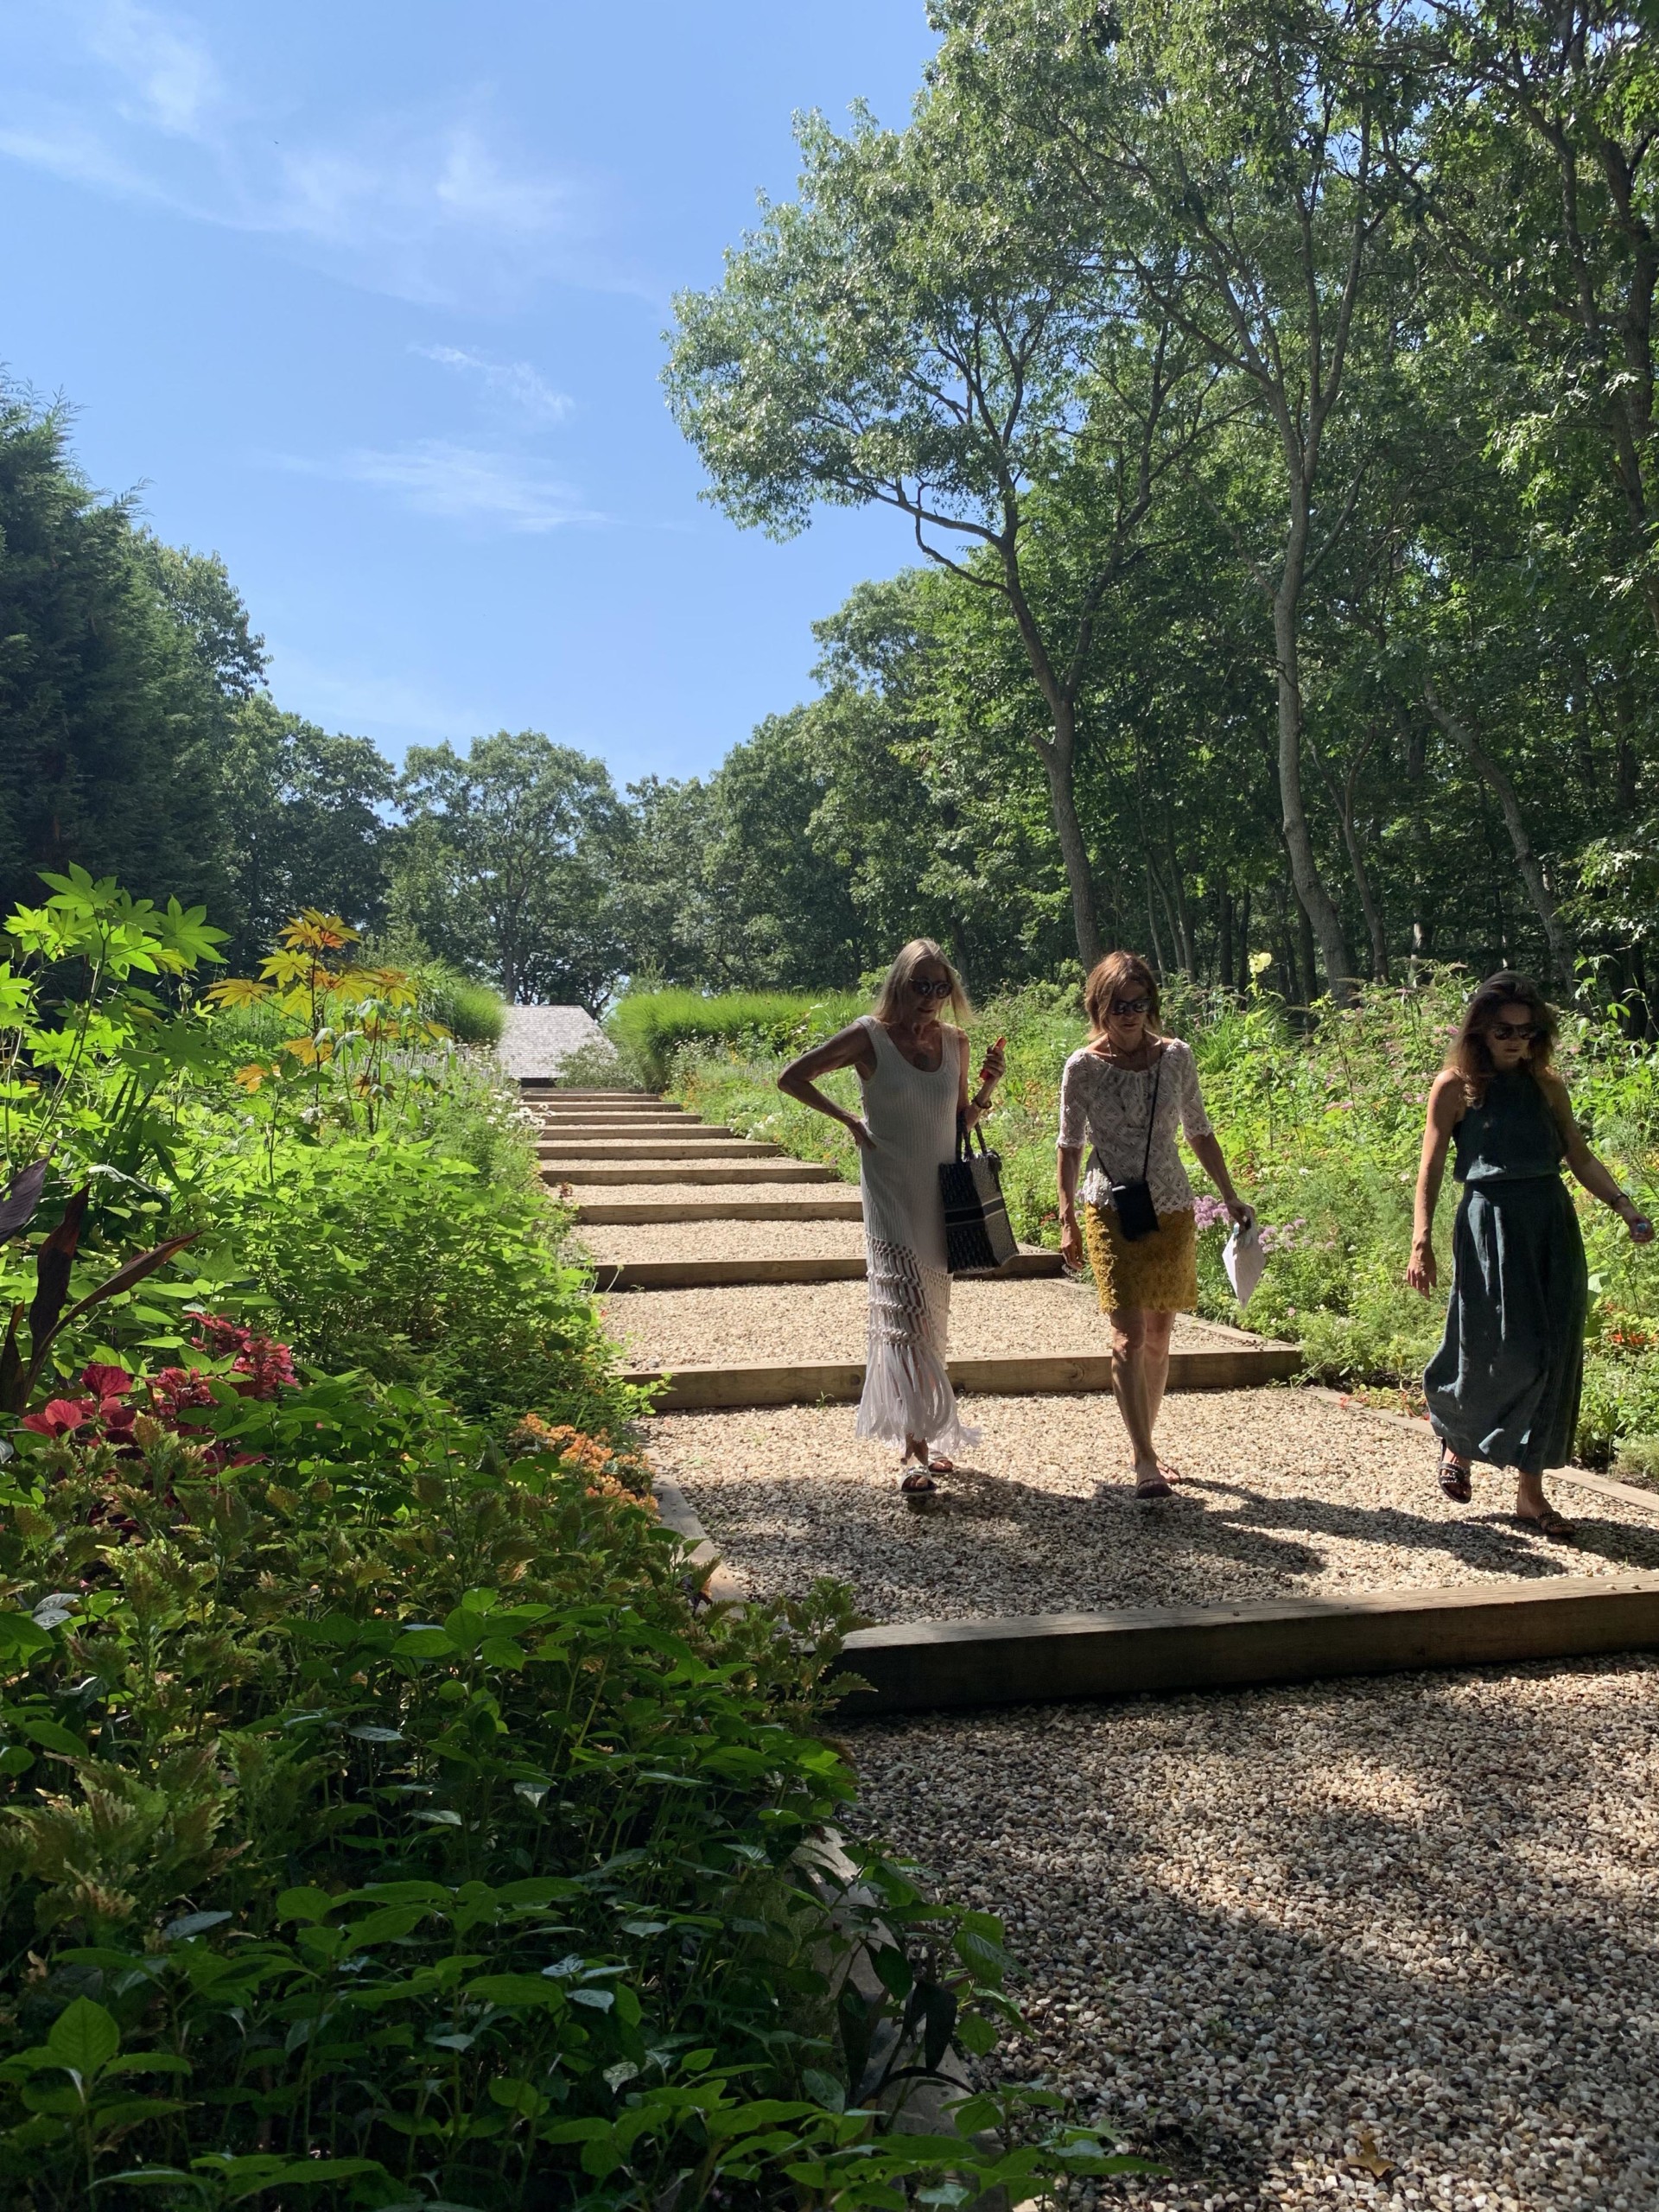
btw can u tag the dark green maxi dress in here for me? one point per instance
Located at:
(1504, 1385)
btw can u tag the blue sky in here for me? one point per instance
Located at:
(368, 299)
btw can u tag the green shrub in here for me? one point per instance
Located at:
(408, 1262)
(1638, 1460)
(598, 1065)
(379, 1824)
(469, 1010)
(648, 1027)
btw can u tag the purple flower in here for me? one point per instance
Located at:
(1208, 1213)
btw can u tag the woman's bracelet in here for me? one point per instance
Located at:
(982, 1105)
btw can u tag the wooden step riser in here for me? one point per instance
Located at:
(623, 1213)
(544, 1090)
(664, 1154)
(707, 1274)
(669, 1140)
(931, 1666)
(784, 1382)
(788, 1172)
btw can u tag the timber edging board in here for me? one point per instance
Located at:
(791, 1173)
(619, 1211)
(805, 1266)
(790, 1382)
(925, 1666)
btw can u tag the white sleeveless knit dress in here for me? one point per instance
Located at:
(912, 1116)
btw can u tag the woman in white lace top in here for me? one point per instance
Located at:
(914, 1069)
(1124, 1097)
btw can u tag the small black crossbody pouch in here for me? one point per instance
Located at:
(1137, 1217)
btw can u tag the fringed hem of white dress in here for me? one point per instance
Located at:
(907, 1390)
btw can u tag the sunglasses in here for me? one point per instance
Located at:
(939, 990)
(1124, 1006)
(1504, 1030)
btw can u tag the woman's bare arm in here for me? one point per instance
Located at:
(848, 1048)
(1445, 1109)
(1597, 1178)
(1069, 1159)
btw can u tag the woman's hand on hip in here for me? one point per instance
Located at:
(1424, 1271)
(862, 1136)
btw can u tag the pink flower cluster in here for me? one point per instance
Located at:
(1208, 1212)
(1282, 1236)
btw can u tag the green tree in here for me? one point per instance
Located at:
(303, 813)
(508, 866)
(121, 661)
(918, 331)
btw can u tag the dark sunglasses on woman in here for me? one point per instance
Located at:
(1504, 1030)
(939, 990)
(1124, 1008)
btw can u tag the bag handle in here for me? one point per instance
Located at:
(964, 1141)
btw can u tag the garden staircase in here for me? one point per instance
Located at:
(629, 1161)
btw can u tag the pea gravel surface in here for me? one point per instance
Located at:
(724, 1239)
(1283, 1492)
(1378, 1943)
(733, 1196)
(737, 1323)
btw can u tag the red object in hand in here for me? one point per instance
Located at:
(997, 1047)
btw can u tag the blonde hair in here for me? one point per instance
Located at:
(1106, 981)
(890, 999)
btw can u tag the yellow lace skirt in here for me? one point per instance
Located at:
(1160, 1272)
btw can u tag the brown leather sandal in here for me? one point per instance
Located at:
(1550, 1524)
(1454, 1477)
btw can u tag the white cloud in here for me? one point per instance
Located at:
(170, 77)
(424, 205)
(459, 483)
(356, 699)
(516, 383)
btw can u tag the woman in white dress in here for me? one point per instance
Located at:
(914, 1069)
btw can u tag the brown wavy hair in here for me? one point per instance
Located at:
(889, 1002)
(1468, 1055)
(1108, 979)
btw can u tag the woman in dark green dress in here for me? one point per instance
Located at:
(1504, 1385)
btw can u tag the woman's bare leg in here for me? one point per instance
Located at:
(1160, 1327)
(1129, 1387)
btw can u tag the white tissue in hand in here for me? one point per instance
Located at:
(1244, 1259)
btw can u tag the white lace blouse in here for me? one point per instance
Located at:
(1105, 1108)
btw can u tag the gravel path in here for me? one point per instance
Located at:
(724, 1239)
(1284, 1493)
(826, 1320)
(1253, 1926)
(735, 1195)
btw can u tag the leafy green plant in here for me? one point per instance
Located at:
(649, 1026)
(396, 1805)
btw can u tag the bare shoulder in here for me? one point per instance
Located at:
(1448, 1099)
(849, 1047)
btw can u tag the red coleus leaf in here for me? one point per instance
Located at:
(105, 1381)
(61, 1416)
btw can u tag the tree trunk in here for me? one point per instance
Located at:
(1152, 922)
(1316, 901)
(1244, 978)
(1342, 797)
(1286, 951)
(1526, 861)
(1225, 936)
(1057, 757)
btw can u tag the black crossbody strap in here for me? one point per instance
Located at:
(1158, 1077)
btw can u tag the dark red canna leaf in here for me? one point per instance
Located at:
(23, 1196)
(53, 1263)
(124, 1278)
